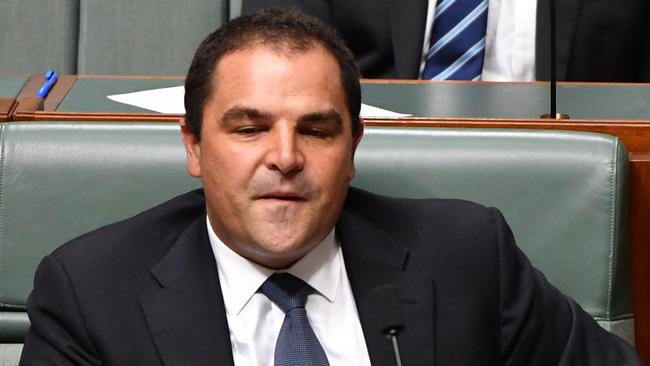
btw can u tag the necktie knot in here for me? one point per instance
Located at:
(286, 291)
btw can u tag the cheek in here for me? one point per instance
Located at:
(337, 170)
(228, 176)
(223, 159)
(221, 170)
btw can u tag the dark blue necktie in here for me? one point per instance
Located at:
(297, 344)
(457, 40)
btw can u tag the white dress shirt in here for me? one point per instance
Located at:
(255, 321)
(509, 40)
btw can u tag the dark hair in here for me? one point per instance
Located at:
(284, 29)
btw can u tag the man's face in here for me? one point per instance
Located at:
(276, 152)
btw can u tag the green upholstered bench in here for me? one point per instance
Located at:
(564, 194)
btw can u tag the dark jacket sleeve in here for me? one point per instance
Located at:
(541, 326)
(57, 335)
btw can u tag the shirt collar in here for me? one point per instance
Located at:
(240, 278)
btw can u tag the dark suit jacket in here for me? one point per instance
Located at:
(145, 291)
(597, 40)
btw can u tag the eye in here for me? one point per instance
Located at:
(248, 130)
(315, 132)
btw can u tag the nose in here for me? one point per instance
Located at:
(285, 154)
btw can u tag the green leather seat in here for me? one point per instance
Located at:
(564, 194)
(59, 180)
(37, 35)
(144, 37)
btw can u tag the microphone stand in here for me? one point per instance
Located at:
(553, 114)
(392, 334)
(388, 315)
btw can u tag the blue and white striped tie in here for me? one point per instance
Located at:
(457, 41)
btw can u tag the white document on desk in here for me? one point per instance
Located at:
(163, 100)
(170, 101)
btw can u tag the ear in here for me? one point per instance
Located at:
(356, 139)
(192, 149)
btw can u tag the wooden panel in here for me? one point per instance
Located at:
(640, 248)
(97, 117)
(6, 107)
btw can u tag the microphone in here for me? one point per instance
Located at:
(388, 315)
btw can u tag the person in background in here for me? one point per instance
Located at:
(490, 40)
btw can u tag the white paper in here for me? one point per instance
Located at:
(170, 101)
(368, 111)
(164, 100)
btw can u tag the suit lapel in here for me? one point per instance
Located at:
(567, 15)
(184, 309)
(373, 259)
(407, 22)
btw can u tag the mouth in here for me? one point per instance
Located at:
(283, 196)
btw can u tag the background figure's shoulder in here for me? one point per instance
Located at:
(153, 230)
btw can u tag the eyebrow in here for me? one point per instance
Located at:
(330, 115)
(238, 113)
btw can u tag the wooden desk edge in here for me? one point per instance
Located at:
(7, 106)
(470, 122)
(96, 116)
(640, 248)
(53, 99)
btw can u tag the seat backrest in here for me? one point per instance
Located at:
(564, 194)
(144, 37)
(37, 35)
(60, 180)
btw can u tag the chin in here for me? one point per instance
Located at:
(279, 258)
(285, 248)
(280, 247)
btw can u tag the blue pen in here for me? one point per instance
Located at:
(50, 80)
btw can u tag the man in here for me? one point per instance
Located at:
(596, 40)
(272, 124)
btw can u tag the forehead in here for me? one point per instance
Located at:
(278, 68)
